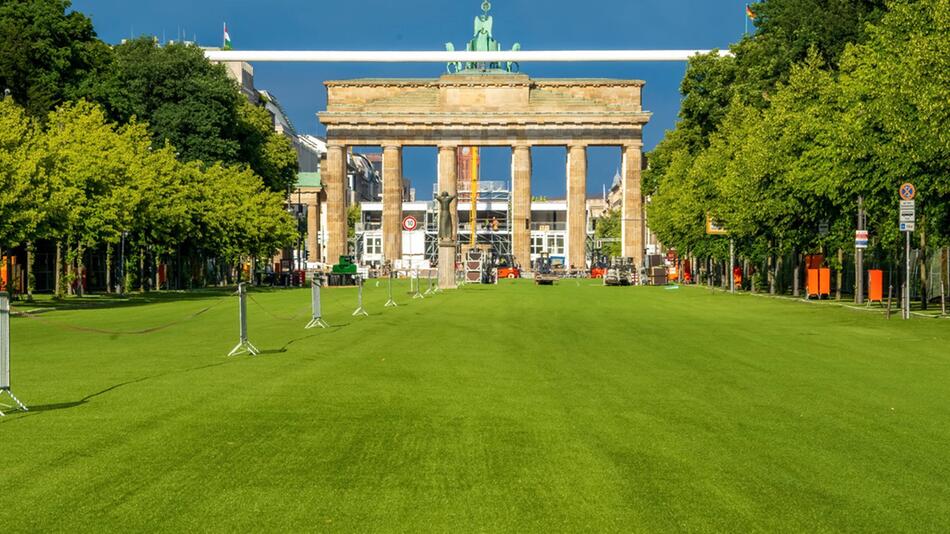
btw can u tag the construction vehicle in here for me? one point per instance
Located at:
(544, 271)
(343, 273)
(620, 272)
(598, 264)
(507, 268)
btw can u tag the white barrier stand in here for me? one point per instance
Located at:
(429, 290)
(5, 353)
(360, 312)
(391, 303)
(244, 345)
(417, 294)
(317, 309)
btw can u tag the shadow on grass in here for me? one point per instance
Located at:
(67, 405)
(281, 350)
(105, 301)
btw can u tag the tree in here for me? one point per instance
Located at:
(46, 54)
(192, 104)
(21, 176)
(609, 227)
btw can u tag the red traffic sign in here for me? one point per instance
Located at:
(908, 191)
(410, 223)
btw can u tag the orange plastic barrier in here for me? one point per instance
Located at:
(819, 282)
(824, 282)
(875, 286)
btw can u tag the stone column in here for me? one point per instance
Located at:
(521, 205)
(448, 182)
(313, 228)
(392, 202)
(577, 207)
(334, 178)
(632, 226)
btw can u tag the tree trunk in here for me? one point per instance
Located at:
(779, 263)
(840, 274)
(108, 268)
(59, 269)
(156, 260)
(944, 278)
(68, 261)
(771, 275)
(141, 269)
(922, 262)
(797, 275)
(80, 270)
(30, 283)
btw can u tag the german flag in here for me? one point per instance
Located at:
(749, 12)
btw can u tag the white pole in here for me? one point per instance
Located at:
(522, 56)
(907, 277)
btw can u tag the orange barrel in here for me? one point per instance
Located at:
(813, 286)
(824, 282)
(875, 286)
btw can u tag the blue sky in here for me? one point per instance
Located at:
(427, 25)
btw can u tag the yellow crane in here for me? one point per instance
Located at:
(473, 210)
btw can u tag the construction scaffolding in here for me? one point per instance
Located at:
(492, 224)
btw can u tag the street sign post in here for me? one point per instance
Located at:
(861, 239)
(908, 223)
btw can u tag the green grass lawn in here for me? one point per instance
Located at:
(510, 408)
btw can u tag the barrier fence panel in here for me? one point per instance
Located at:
(5, 352)
(316, 317)
(244, 345)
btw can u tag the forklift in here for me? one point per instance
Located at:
(507, 268)
(599, 263)
(544, 271)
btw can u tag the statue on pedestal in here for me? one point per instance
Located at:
(446, 232)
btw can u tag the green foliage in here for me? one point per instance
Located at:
(85, 181)
(21, 175)
(609, 227)
(46, 54)
(186, 100)
(193, 105)
(353, 215)
(802, 122)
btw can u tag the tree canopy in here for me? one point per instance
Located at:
(813, 112)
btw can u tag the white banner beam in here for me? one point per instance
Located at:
(521, 56)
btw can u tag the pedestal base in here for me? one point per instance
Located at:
(447, 265)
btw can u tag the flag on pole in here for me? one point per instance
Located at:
(227, 37)
(749, 12)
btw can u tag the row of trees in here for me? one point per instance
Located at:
(82, 182)
(151, 145)
(830, 102)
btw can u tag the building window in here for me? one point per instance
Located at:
(537, 244)
(374, 246)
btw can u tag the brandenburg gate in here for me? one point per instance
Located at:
(487, 105)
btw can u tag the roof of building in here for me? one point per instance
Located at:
(309, 179)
